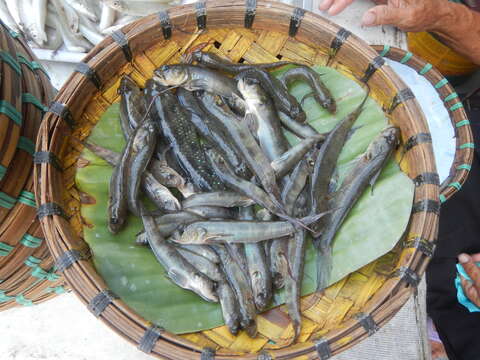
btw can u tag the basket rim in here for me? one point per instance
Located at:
(62, 240)
(463, 133)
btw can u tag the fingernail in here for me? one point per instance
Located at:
(369, 18)
(463, 258)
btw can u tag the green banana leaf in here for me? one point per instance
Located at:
(372, 228)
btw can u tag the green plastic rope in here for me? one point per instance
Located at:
(32, 261)
(38, 272)
(20, 299)
(27, 198)
(26, 145)
(57, 290)
(13, 34)
(4, 297)
(6, 201)
(464, 167)
(456, 185)
(5, 249)
(10, 60)
(442, 198)
(9, 110)
(406, 58)
(31, 241)
(3, 171)
(462, 123)
(32, 65)
(386, 49)
(467, 145)
(441, 83)
(31, 99)
(426, 69)
(452, 96)
(456, 106)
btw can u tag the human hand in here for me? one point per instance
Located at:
(407, 15)
(471, 288)
(335, 7)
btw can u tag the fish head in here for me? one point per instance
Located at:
(115, 4)
(127, 84)
(206, 289)
(297, 113)
(385, 142)
(115, 224)
(250, 89)
(197, 56)
(171, 75)
(193, 235)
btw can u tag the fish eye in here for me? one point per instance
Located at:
(164, 67)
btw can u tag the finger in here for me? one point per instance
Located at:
(470, 291)
(325, 5)
(471, 269)
(339, 6)
(476, 257)
(383, 15)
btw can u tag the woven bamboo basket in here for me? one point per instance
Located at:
(348, 311)
(26, 275)
(463, 133)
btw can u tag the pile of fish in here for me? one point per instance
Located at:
(76, 24)
(230, 202)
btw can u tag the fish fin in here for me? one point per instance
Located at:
(352, 131)
(332, 185)
(141, 239)
(251, 121)
(324, 268)
(374, 179)
(310, 94)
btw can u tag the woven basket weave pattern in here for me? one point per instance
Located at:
(349, 310)
(26, 275)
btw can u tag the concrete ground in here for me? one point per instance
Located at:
(63, 329)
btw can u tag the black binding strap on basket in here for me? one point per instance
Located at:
(201, 14)
(428, 205)
(250, 11)
(407, 274)
(402, 96)
(376, 64)
(49, 209)
(62, 111)
(323, 349)
(264, 355)
(207, 354)
(340, 37)
(67, 259)
(367, 322)
(150, 338)
(47, 157)
(295, 21)
(90, 74)
(420, 138)
(427, 178)
(99, 303)
(166, 24)
(420, 243)
(119, 37)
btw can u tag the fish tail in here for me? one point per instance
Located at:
(324, 268)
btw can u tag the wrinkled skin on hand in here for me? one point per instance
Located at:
(407, 15)
(471, 288)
